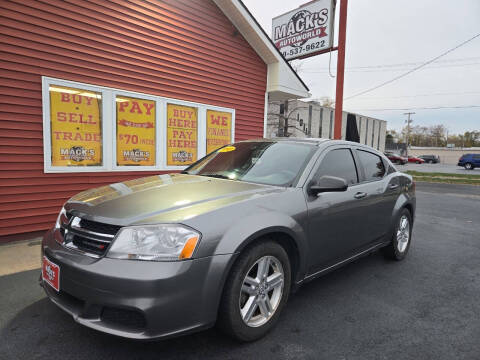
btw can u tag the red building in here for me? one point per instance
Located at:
(94, 93)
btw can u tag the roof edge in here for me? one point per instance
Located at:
(273, 45)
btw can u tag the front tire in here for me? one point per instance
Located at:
(401, 238)
(255, 292)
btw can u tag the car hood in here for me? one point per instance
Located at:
(162, 198)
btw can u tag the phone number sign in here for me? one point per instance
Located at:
(304, 31)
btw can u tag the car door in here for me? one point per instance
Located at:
(476, 159)
(335, 219)
(382, 191)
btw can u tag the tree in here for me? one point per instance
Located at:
(326, 101)
(283, 118)
(392, 137)
(437, 133)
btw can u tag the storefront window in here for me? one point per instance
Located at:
(182, 135)
(75, 127)
(90, 128)
(219, 129)
(135, 120)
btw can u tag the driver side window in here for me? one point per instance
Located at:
(339, 163)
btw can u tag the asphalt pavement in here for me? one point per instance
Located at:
(425, 307)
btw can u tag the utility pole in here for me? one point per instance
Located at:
(342, 36)
(408, 121)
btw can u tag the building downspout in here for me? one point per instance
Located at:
(265, 116)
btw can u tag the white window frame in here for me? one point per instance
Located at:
(109, 130)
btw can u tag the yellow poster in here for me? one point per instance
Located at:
(219, 129)
(135, 131)
(76, 126)
(181, 134)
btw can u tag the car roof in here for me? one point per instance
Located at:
(314, 141)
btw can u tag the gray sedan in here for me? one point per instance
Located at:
(227, 240)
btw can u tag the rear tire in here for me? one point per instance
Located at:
(401, 238)
(253, 298)
(468, 166)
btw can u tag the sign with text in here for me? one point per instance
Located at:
(219, 129)
(182, 134)
(304, 31)
(76, 127)
(135, 131)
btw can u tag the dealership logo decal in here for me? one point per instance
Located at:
(136, 155)
(182, 156)
(302, 26)
(77, 153)
(50, 273)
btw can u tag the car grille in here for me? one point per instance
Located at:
(90, 237)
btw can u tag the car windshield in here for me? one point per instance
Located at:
(264, 162)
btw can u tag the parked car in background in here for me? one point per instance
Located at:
(469, 161)
(396, 158)
(430, 159)
(416, 160)
(226, 240)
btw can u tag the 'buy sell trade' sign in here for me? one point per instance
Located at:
(219, 129)
(135, 131)
(181, 134)
(76, 131)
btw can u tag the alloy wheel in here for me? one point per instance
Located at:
(403, 233)
(261, 291)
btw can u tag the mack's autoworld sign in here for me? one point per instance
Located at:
(305, 30)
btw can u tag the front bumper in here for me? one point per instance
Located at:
(137, 299)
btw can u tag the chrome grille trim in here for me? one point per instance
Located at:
(82, 231)
(87, 242)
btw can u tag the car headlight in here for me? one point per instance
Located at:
(155, 242)
(61, 219)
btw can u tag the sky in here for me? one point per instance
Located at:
(386, 38)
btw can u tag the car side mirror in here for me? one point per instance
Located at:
(327, 184)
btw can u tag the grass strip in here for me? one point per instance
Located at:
(447, 180)
(443, 175)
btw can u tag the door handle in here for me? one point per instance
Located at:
(393, 186)
(360, 195)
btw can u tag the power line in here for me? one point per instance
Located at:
(414, 69)
(389, 69)
(408, 96)
(423, 108)
(403, 64)
(419, 95)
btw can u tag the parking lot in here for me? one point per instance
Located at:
(426, 307)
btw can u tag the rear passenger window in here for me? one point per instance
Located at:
(338, 163)
(372, 165)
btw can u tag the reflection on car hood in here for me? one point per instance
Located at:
(162, 198)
